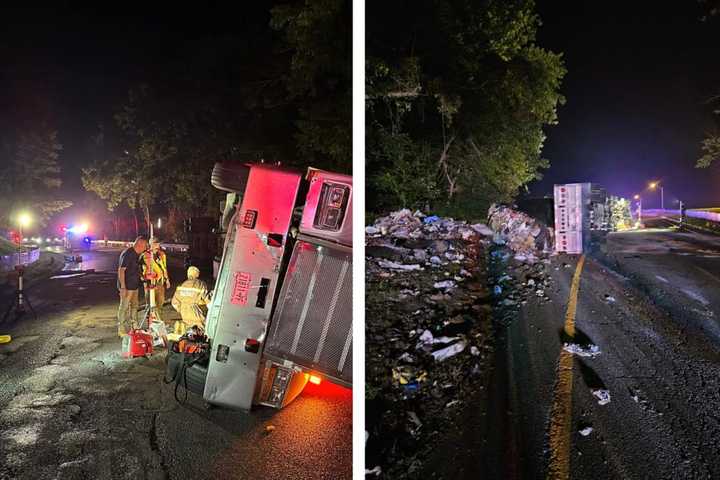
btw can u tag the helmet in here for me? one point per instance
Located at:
(193, 272)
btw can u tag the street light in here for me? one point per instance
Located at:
(639, 199)
(24, 221)
(653, 186)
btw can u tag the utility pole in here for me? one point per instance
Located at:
(662, 198)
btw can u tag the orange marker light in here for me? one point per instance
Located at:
(314, 379)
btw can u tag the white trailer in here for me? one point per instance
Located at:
(572, 217)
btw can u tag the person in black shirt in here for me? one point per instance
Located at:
(128, 283)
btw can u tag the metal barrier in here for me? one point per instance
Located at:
(170, 247)
(692, 213)
(8, 262)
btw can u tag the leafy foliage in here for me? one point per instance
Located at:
(711, 143)
(464, 93)
(30, 175)
(320, 78)
(287, 100)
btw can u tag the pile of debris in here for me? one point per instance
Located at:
(428, 333)
(434, 286)
(521, 233)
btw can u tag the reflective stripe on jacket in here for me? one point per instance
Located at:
(188, 299)
(159, 267)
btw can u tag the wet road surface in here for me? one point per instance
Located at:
(71, 407)
(652, 305)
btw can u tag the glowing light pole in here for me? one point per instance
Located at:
(639, 199)
(653, 186)
(24, 221)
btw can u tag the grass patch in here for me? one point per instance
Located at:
(7, 247)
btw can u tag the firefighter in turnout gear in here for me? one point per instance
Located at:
(190, 300)
(156, 269)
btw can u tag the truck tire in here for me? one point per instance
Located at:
(230, 177)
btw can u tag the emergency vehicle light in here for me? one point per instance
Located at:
(331, 210)
(249, 218)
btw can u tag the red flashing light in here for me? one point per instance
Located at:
(250, 218)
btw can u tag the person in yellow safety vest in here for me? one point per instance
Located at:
(190, 300)
(162, 276)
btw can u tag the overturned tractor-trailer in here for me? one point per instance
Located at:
(282, 305)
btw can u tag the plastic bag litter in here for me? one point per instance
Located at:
(408, 374)
(446, 284)
(159, 332)
(582, 351)
(427, 338)
(370, 230)
(586, 431)
(377, 471)
(399, 266)
(430, 219)
(602, 395)
(483, 229)
(609, 298)
(450, 351)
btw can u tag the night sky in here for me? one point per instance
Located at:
(639, 75)
(75, 64)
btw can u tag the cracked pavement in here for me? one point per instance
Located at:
(72, 408)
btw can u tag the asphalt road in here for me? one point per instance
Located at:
(651, 303)
(71, 407)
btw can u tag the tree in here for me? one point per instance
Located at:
(319, 81)
(711, 143)
(31, 175)
(457, 93)
(136, 173)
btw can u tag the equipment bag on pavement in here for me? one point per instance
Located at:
(137, 343)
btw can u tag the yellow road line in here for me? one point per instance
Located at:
(561, 414)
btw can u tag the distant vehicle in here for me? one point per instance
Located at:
(281, 313)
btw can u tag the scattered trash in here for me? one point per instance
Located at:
(582, 351)
(398, 266)
(447, 284)
(414, 419)
(609, 298)
(427, 301)
(523, 234)
(586, 431)
(377, 471)
(406, 374)
(497, 290)
(450, 351)
(426, 339)
(602, 395)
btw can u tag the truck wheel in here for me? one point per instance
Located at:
(230, 177)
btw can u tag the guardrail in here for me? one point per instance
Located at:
(8, 262)
(170, 247)
(692, 213)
